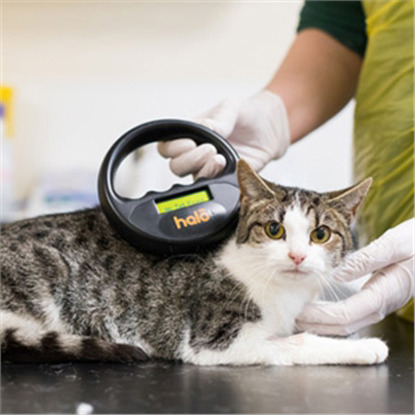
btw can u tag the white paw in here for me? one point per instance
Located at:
(369, 352)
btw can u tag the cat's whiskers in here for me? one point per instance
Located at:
(260, 287)
(248, 299)
(241, 288)
(326, 283)
(252, 268)
(255, 284)
(268, 279)
(249, 296)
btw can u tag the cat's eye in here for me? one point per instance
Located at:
(320, 234)
(274, 230)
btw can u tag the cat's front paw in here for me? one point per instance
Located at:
(309, 349)
(369, 352)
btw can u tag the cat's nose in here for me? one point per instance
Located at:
(296, 257)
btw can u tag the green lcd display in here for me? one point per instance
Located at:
(183, 201)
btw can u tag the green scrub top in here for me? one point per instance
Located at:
(383, 32)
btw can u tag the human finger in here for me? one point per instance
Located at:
(395, 245)
(175, 148)
(339, 329)
(344, 312)
(387, 290)
(222, 117)
(192, 161)
(213, 167)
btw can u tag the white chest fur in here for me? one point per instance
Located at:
(280, 300)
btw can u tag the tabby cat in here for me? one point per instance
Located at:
(73, 290)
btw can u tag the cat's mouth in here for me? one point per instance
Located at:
(295, 272)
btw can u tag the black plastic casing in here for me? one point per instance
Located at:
(184, 231)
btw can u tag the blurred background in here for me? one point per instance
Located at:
(77, 75)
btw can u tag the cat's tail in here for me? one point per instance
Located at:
(25, 340)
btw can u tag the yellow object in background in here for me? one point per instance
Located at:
(6, 99)
(407, 312)
(8, 209)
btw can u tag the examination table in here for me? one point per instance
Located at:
(176, 388)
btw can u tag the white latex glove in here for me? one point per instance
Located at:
(391, 286)
(257, 128)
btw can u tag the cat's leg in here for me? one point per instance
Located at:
(25, 339)
(253, 346)
(309, 349)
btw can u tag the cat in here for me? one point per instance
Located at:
(74, 290)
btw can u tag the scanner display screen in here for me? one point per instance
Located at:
(180, 202)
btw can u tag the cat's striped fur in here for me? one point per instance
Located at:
(73, 290)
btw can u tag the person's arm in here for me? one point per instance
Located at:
(316, 80)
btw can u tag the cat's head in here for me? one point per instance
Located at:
(297, 233)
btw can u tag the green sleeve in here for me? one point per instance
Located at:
(343, 20)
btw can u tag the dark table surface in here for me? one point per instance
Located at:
(175, 388)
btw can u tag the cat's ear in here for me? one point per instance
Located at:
(252, 187)
(348, 200)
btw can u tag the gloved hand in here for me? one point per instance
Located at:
(391, 286)
(257, 128)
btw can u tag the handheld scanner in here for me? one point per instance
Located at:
(183, 219)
